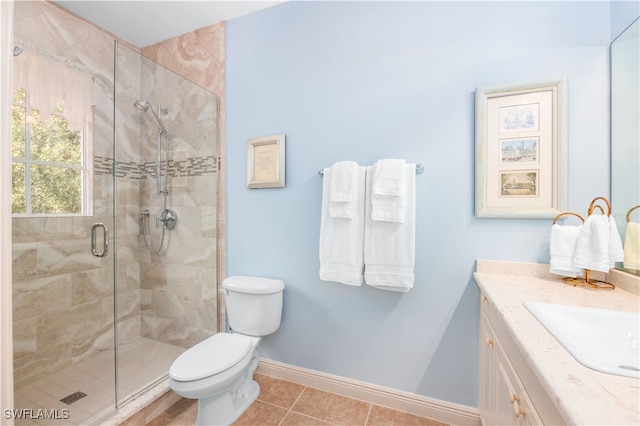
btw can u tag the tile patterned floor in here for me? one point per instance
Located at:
(142, 362)
(287, 404)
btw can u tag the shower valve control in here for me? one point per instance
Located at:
(168, 218)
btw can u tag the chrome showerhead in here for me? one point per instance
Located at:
(17, 50)
(144, 106)
(141, 105)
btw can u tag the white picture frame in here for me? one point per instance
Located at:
(266, 162)
(521, 150)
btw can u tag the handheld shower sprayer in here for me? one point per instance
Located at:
(144, 106)
(168, 217)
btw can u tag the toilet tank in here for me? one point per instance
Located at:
(254, 304)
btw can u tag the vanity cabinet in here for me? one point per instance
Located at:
(518, 355)
(505, 379)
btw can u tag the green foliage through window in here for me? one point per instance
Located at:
(47, 162)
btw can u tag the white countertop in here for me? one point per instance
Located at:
(581, 395)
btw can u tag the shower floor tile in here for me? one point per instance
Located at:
(141, 363)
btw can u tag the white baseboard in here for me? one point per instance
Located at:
(446, 412)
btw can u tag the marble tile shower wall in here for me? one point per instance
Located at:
(63, 296)
(178, 286)
(199, 56)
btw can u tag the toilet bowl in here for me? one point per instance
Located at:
(218, 371)
(223, 387)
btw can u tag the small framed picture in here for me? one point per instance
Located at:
(521, 150)
(265, 162)
(519, 183)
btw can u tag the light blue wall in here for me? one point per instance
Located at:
(363, 81)
(623, 13)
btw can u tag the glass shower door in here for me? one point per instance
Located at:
(63, 262)
(140, 360)
(166, 180)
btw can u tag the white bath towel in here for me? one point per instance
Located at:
(389, 247)
(341, 189)
(562, 246)
(632, 246)
(593, 244)
(342, 239)
(388, 194)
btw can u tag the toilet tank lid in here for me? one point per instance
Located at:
(252, 285)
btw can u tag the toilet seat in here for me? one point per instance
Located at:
(212, 356)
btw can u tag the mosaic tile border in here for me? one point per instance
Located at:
(195, 166)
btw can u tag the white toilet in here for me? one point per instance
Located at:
(218, 372)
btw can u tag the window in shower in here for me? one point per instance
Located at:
(48, 161)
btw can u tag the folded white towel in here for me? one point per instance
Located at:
(388, 194)
(562, 245)
(616, 252)
(341, 189)
(593, 243)
(342, 239)
(632, 246)
(389, 247)
(388, 177)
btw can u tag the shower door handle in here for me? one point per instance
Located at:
(105, 239)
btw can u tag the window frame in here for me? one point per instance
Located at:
(84, 167)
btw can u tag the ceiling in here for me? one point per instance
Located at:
(147, 22)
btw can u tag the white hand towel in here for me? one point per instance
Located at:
(341, 190)
(388, 177)
(616, 252)
(562, 246)
(632, 246)
(592, 244)
(389, 247)
(342, 239)
(388, 194)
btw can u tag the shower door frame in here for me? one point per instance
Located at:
(6, 311)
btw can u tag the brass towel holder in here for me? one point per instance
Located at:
(629, 212)
(587, 281)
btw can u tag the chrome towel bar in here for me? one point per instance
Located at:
(419, 170)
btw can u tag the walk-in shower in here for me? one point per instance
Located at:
(92, 335)
(168, 218)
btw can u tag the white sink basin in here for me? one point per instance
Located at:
(601, 339)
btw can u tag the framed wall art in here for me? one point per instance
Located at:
(521, 150)
(265, 162)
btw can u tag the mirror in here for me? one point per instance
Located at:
(625, 130)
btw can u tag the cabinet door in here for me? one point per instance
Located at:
(506, 396)
(527, 415)
(513, 404)
(487, 362)
(502, 398)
